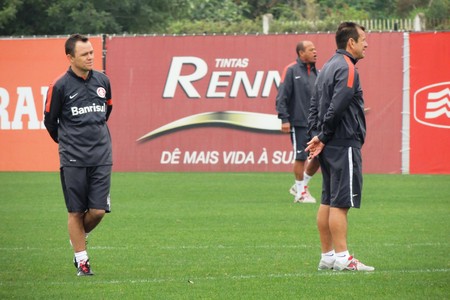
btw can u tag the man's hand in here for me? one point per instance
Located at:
(315, 146)
(286, 127)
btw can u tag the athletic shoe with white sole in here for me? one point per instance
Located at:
(352, 264)
(304, 199)
(306, 195)
(293, 190)
(324, 265)
(84, 269)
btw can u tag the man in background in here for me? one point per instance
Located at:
(292, 104)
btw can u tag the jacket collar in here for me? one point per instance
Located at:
(301, 63)
(344, 52)
(71, 72)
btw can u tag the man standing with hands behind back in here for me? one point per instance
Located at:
(76, 110)
(292, 104)
(338, 125)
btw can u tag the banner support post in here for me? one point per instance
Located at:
(406, 111)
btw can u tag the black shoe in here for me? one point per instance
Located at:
(84, 268)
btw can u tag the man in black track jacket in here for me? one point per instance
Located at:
(77, 107)
(292, 104)
(338, 125)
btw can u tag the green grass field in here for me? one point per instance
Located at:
(224, 236)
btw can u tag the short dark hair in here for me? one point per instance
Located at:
(300, 47)
(346, 31)
(72, 40)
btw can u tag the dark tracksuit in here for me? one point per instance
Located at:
(293, 100)
(76, 112)
(337, 119)
(294, 93)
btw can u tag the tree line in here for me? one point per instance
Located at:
(62, 17)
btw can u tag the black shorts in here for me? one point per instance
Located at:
(86, 188)
(299, 139)
(342, 176)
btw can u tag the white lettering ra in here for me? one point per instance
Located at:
(25, 109)
(44, 91)
(4, 116)
(222, 83)
(25, 106)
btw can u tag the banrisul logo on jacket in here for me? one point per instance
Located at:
(432, 105)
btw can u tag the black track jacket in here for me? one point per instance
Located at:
(294, 93)
(76, 111)
(337, 105)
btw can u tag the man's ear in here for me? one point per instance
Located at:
(351, 43)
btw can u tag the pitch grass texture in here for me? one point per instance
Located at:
(224, 236)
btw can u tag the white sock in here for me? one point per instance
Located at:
(306, 178)
(81, 256)
(343, 256)
(329, 256)
(300, 186)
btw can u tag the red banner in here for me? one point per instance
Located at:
(194, 103)
(207, 103)
(28, 66)
(430, 103)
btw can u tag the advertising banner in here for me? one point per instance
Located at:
(430, 103)
(207, 103)
(28, 67)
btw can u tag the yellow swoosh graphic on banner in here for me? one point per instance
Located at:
(240, 119)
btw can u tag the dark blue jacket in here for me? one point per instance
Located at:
(76, 111)
(294, 93)
(337, 104)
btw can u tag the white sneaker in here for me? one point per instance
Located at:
(298, 199)
(324, 265)
(293, 190)
(352, 265)
(307, 198)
